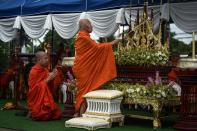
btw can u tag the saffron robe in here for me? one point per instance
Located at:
(5, 78)
(94, 65)
(39, 97)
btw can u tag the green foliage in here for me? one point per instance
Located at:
(4, 55)
(57, 40)
(178, 47)
(7, 48)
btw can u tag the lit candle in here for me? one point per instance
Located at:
(193, 45)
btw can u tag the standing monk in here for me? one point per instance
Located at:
(40, 100)
(94, 64)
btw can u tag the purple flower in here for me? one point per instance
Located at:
(157, 74)
(150, 80)
(70, 76)
(157, 78)
(148, 85)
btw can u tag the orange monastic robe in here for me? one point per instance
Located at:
(6, 77)
(94, 65)
(58, 79)
(39, 98)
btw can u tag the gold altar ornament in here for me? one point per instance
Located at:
(142, 47)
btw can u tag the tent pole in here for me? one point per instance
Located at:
(17, 68)
(50, 50)
(52, 47)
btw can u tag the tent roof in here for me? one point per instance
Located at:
(10, 8)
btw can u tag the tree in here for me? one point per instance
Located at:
(7, 49)
(4, 55)
(57, 40)
(178, 47)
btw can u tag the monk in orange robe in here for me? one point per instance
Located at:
(39, 98)
(5, 79)
(94, 64)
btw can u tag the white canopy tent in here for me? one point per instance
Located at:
(105, 22)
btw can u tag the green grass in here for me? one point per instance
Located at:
(8, 119)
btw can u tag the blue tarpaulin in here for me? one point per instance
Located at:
(32, 7)
(10, 8)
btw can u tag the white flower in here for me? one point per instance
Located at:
(163, 94)
(158, 96)
(138, 89)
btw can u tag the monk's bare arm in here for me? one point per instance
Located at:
(116, 41)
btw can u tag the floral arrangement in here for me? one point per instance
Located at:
(153, 89)
(143, 56)
(70, 82)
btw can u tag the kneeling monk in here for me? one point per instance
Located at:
(40, 100)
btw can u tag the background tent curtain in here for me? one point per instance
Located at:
(7, 32)
(66, 25)
(104, 23)
(32, 25)
(184, 15)
(131, 14)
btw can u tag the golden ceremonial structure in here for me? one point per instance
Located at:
(142, 34)
(142, 51)
(142, 45)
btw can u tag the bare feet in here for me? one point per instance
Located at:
(76, 115)
(29, 114)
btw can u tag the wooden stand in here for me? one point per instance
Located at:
(188, 113)
(140, 74)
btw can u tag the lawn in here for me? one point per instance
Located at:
(9, 120)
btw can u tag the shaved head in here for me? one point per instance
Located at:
(85, 25)
(42, 58)
(39, 54)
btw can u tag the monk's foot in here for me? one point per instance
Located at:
(76, 115)
(28, 115)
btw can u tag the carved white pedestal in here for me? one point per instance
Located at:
(104, 104)
(103, 108)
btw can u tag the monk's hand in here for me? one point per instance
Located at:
(52, 75)
(116, 41)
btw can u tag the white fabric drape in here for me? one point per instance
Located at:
(48, 22)
(165, 12)
(131, 14)
(184, 15)
(103, 22)
(66, 25)
(7, 33)
(34, 25)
